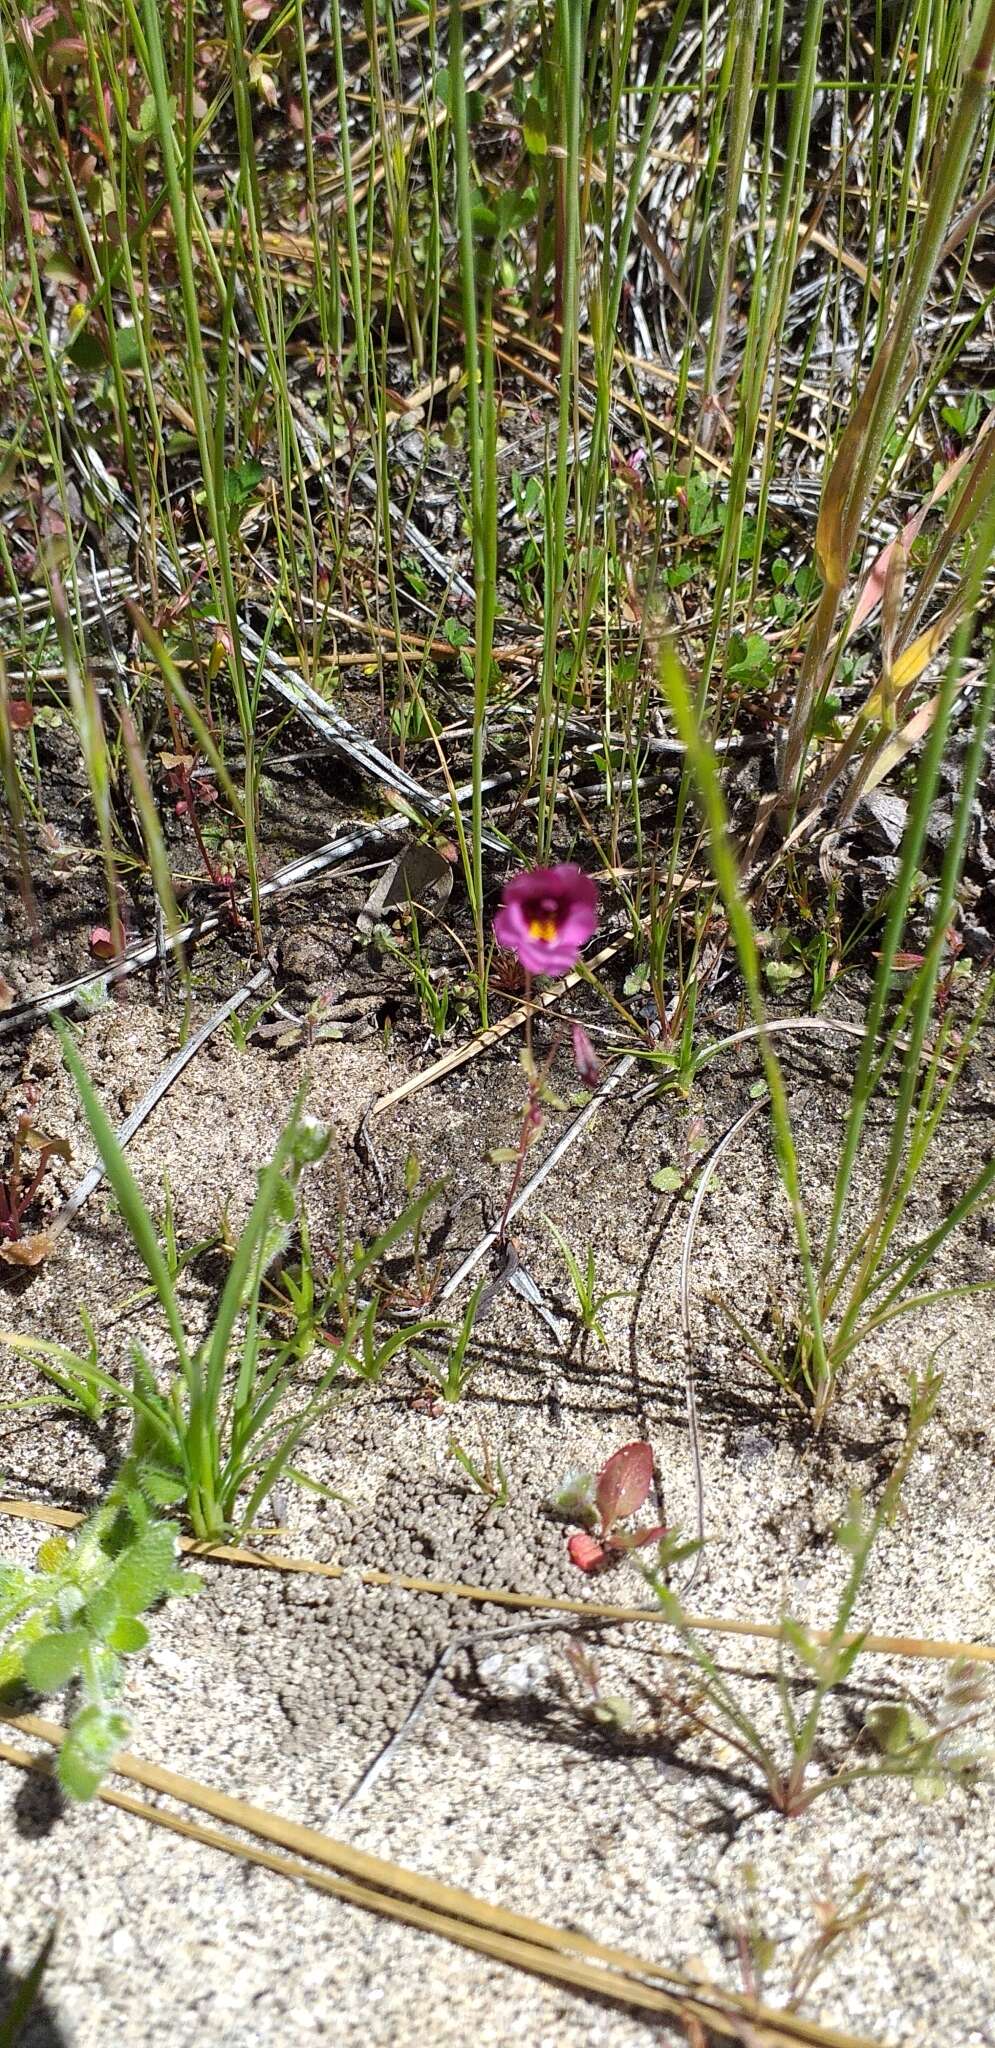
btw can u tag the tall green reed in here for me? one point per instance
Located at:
(567, 63)
(481, 426)
(859, 1280)
(851, 480)
(203, 405)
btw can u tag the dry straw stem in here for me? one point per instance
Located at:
(925, 1647)
(387, 1888)
(483, 1040)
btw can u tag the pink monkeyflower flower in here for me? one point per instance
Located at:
(546, 918)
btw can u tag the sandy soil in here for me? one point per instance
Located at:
(284, 1690)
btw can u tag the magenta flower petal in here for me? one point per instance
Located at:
(546, 918)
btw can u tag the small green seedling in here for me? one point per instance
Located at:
(603, 1503)
(330, 1312)
(240, 1029)
(458, 1370)
(837, 1920)
(489, 1477)
(591, 1299)
(177, 1258)
(607, 1711)
(25, 1998)
(931, 1753)
(227, 1424)
(434, 989)
(73, 1374)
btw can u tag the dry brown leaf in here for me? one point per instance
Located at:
(27, 1251)
(833, 540)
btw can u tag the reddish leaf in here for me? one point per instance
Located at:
(20, 714)
(584, 1552)
(623, 1483)
(101, 943)
(649, 1535)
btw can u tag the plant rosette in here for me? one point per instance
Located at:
(603, 1503)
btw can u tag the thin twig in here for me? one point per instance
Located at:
(694, 1437)
(133, 1122)
(612, 1081)
(907, 1646)
(385, 1757)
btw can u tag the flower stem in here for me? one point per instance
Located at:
(532, 1120)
